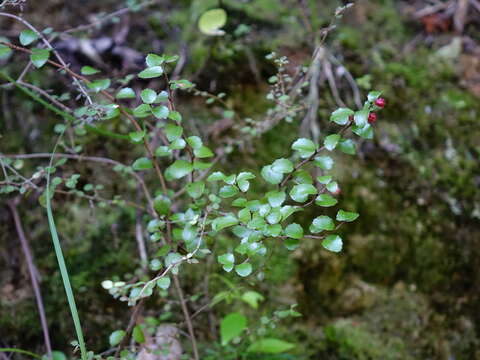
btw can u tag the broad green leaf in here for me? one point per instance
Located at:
(252, 298)
(142, 110)
(294, 231)
(202, 152)
(288, 210)
(164, 283)
(276, 198)
(195, 142)
(347, 146)
(274, 216)
(151, 72)
(324, 179)
(244, 215)
(242, 180)
(160, 112)
(177, 144)
(216, 176)
(148, 96)
(244, 269)
(227, 260)
(88, 70)
(232, 326)
(116, 337)
(270, 346)
(322, 223)
(99, 85)
(325, 200)
(224, 222)
(138, 335)
(196, 189)
(361, 117)
(162, 204)
(39, 57)
(341, 116)
(324, 162)
(142, 163)
(302, 177)
(331, 141)
(27, 37)
(271, 176)
(305, 147)
(365, 131)
(154, 60)
(333, 187)
(333, 243)
(240, 202)
(273, 230)
(178, 169)
(162, 151)
(300, 192)
(228, 191)
(175, 116)
(282, 166)
(126, 93)
(211, 21)
(230, 180)
(346, 216)
(5, 51)
(374, 95)
(137, 136)
(173, 132)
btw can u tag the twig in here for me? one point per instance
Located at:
(12, 204)
(140, 238)
(49, 46)
(187, 317)
(110, 98)
(88, 158)
(310, 158)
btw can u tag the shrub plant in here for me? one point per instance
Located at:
(188, 203)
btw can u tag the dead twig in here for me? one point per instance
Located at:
(12, 204)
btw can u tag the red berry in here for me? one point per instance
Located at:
(350, 118)
(372, 117)
(380, 102)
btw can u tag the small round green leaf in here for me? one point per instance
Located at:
(305, 147)
(301, 192)
(331, 141)
(142, 163)
(116, 337)
(346, 216)
(294, 231)
(211, 21)
(333, 243)
(151, 72)
(27, 37)
(232, 326)
(148, 96)
(39, 57)
(341, 116)
(244, 269)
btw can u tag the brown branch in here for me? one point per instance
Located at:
(92, 159)
(49, 46)
(12, 204)
(111, 98)
(187, 317)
